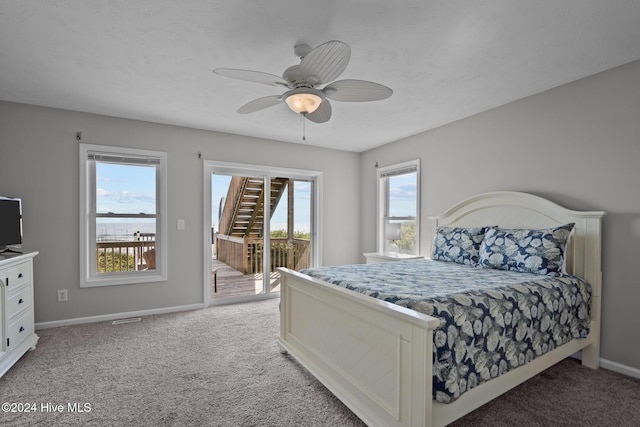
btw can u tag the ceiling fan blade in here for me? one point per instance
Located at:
(356, 91)
(326, 62)
(252, 76)
(260, 104)
(322, 114)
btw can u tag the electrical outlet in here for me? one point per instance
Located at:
(63, 295)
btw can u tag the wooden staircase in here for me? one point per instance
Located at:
(240, 240)
(243, 212)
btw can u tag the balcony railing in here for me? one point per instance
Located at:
(116, 256)
(246, 255)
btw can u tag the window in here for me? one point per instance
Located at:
(122, 215)
(399, 208)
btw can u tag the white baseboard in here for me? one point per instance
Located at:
(115, 316)
(614, 366)
(620, 368)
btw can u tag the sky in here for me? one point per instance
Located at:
(402, 195)
(125, 188)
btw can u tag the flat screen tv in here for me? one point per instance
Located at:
(10, 223)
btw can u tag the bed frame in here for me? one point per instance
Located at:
(376, 357)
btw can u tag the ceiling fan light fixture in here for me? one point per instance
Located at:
(304, 100)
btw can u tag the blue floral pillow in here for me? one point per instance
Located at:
(457, 244)
(528, 251)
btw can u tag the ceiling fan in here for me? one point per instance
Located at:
(305, 95)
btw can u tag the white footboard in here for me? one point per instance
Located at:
(376, 357)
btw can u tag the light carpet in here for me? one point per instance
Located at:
(221, 366)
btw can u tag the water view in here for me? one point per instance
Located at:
(122, 232)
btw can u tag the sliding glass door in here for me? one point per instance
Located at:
(261, 219)
(290, 229)
(238, 235)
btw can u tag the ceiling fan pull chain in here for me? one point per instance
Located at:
(303, 116)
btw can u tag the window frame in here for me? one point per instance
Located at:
(382, 175)
(87, 206)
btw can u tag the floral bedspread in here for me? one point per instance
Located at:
(492, 321)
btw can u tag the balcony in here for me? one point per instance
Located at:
(246, 254)
(237, 265)
(117, 256)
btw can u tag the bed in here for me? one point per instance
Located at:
(377, 357)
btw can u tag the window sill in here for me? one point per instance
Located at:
(123, 279)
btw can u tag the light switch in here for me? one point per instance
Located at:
(181, 224)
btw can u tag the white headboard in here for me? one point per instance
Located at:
(511, 209)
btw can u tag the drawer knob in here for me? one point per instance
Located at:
(20, 301)
(21, 329)
(20, 276)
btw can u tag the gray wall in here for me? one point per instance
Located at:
(39, 162)
(578, 145)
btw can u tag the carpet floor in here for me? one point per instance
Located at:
(221, 366)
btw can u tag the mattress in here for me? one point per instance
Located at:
(491, 321)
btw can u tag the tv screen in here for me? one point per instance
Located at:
(10, 222)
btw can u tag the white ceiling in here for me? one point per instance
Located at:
(445, 60)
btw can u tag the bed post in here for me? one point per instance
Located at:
(284, 318)
(592, 273)
(421, 391)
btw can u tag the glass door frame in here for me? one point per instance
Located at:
(211, 167)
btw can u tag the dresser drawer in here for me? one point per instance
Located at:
(18, 301)
(20, 329)
(18, 275)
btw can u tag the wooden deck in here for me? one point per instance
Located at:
(232, 283)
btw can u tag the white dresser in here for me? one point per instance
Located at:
(17, 331)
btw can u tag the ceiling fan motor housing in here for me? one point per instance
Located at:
(297, 79)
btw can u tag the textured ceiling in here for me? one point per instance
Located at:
(445, 60)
